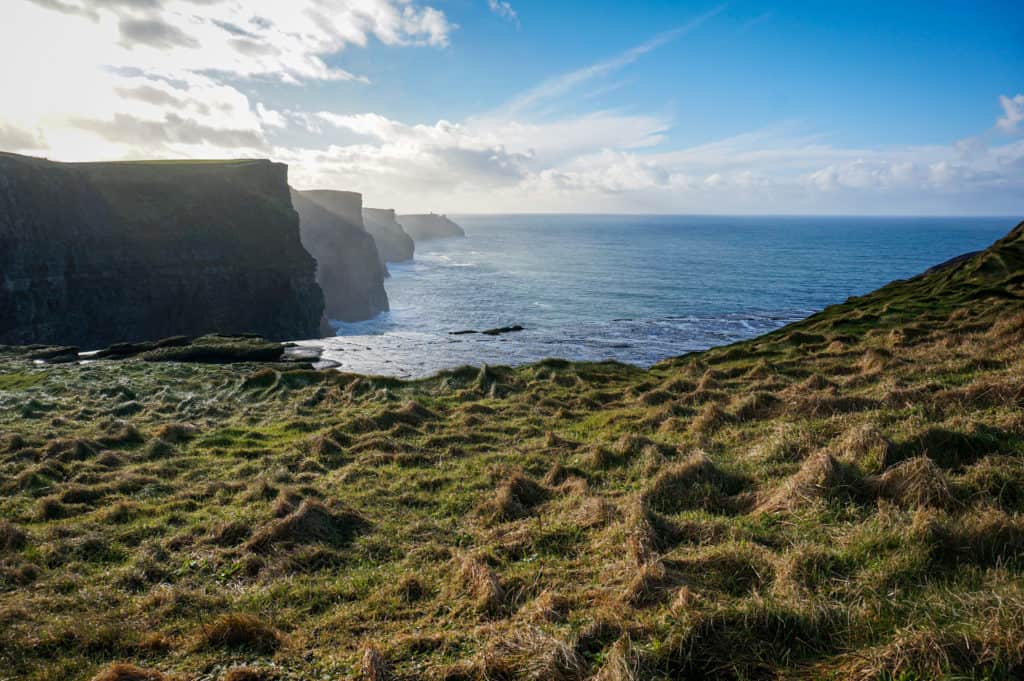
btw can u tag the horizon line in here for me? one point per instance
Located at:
(951, 216)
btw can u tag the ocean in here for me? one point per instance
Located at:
(635, 289)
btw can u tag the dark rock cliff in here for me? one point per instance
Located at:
(97, 253)
(424, 227)
(429, 226)
(393, 243)
(346, 205)
(349, 268)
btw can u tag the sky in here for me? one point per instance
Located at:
(492, 106)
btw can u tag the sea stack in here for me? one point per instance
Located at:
(429, 226)
(98, 253)
(349, 268)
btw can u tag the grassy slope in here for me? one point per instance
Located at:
(840, 499)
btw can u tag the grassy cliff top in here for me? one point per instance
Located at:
(154, 162)
(841, 499)
(241, 207)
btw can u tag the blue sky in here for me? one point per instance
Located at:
(487, 105)
(868, 72)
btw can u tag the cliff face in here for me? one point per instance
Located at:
(430, 226)
(97, 253)
(349, 268)
(346, 205)
(393, 243)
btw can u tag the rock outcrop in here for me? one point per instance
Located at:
(429, 226)
(393, 244)
(98, 253)
(349, 268)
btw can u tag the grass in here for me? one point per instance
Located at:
(841, 499)
(19, 380)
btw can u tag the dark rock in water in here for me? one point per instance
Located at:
(429, 226)
(393, 244)
(99, 253)
(489, 332)
(504, 329)
(302, 354)
(349, 268)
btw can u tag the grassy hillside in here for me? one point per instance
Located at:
(841, 499)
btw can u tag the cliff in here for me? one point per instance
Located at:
(96, 253)
(393, 244)
(392, 241)
(346, 205)
(349, 269)
(429, 226)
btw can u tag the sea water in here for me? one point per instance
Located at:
(634, 289)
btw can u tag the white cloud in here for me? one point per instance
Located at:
(606, 161)
(130, 78)
(271, 118)
(1013, 113)
(609, 160)
(504, 10)
(370, 124)
(548, 142)
(257, 37)
(715, 181)
(14, 138)
(163, 78)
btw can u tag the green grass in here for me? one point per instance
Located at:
(19, 380)
(841, 499)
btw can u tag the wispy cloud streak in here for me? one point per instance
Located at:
(505, 10)
(564, 83)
